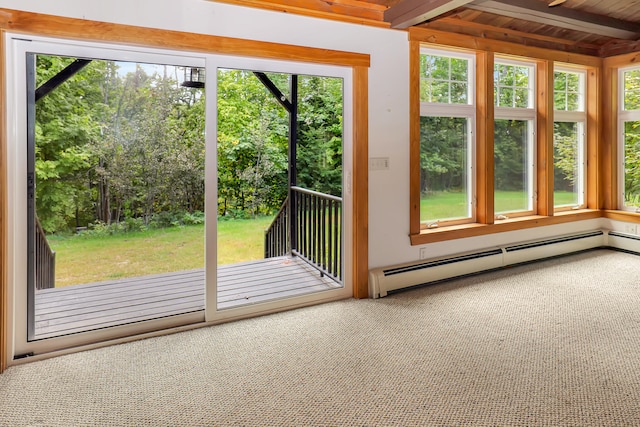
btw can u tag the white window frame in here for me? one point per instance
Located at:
(16, 130)
(528, 114)
(623, 117)
(468, 111)
(578, 116)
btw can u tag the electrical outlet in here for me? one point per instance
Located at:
(631, 228)
(424, 253)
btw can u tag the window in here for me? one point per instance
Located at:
(447, 114)
(513, 138)
(569, 139)
(629, 176)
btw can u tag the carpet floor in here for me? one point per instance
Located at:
(554, 343)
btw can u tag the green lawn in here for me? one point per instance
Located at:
(453, 205)
(86, 259)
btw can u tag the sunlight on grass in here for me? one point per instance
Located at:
(451, 205)
(88, 259)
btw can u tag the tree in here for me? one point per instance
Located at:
(319, 153)
(66, 126)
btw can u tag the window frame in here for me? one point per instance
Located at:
(528, 114)
(597, 155)
(624, 116)
(455, 110)
(579, 117)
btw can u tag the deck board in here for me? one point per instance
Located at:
(79, 308)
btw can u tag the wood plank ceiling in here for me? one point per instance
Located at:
(592, 27)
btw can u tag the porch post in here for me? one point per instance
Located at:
(293, 171)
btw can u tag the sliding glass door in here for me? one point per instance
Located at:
(154, 189)
(283, 134)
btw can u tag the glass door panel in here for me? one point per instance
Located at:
(280, 156)
(116, 193)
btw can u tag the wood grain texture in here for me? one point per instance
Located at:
(360, 182)
(544, 138)
(621, 215)
(514, 224)
(609, 135)
(4, 282)
(484, 138)
(414, 137)
(56, 26)
(86, 307)
(353, 11)
(477, 43)
(595, 106)
(411, 12)
(562, 17)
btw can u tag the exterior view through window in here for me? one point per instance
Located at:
(513, 137)
(630, 127)
(568, 139)
(446, 139)
(154, 189)
(118, 213)
(280, 184)
(117, 155)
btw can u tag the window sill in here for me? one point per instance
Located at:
(622, 215)
(453, 232)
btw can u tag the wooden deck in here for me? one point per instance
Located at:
(79, 308)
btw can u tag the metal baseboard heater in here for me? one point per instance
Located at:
(384, 280)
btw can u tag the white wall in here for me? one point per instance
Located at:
(388, 98)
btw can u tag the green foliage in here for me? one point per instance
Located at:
(511, 86)
(252, 145)
(121, 145)
(632, 90)
(632, 163)
(319, 153)
(443, 154)
(115, 148)
(444, 79)
(510, 154)
(565, 155)
(566, 91)
(632, 140)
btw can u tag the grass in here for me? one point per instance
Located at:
(453, 205)
(87, 259)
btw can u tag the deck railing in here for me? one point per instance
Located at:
(45, 260)
(276, 237)
(317, 231)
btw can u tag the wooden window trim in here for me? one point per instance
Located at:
(538, 140)
(510, 224)
(589, 117)
(434, 109)
(544, 135)
(544, 213)
(80, 29)
(4, 243)
(55, 26)
(345, 11)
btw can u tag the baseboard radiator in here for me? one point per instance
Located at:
(384, 280)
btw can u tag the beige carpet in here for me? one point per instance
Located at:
(553, 343)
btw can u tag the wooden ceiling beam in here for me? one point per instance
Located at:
(539, 11)
(411, 12)
(488, 32)
(515, 33)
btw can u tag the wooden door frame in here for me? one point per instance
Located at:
(29, 23)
